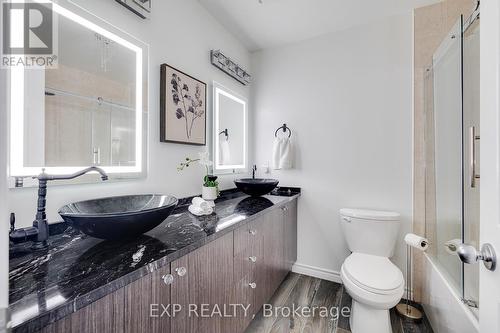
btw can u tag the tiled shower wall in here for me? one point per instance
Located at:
(431, 25)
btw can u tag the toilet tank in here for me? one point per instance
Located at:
(369, 231)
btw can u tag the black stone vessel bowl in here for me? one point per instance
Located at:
(116, 218)
(256, 186)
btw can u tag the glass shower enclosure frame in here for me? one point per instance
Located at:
(451, 95)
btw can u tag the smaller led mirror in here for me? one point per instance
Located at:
(230, 131)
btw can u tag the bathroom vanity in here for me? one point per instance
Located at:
(189, 273)
(193, 266)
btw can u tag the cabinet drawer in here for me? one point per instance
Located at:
(249, 259)
(245, 237)
(245, 294)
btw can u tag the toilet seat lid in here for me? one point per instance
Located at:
(373, 273)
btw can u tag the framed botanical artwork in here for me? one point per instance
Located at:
(183, 107)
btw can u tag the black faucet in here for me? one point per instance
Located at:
(254, 168)
(39, 232)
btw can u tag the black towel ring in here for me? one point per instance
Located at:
(284, 128)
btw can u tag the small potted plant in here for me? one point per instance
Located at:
(210, 188)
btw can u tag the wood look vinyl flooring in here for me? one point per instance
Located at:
(304, 304)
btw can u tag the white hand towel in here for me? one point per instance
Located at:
(225, 154)
(286, 153)
(195, 210)
(276, 154)
(200, 202)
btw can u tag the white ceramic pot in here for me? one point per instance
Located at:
(209, 193)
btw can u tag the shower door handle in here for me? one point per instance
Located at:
(469, 255)
(472, 156)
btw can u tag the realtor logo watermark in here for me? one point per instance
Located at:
(29, 34)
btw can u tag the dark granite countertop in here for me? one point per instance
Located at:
(76, 270)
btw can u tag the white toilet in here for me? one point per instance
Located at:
(370, 278)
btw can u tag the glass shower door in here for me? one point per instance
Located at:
(471, 85)
(448, 155)
(451, 91)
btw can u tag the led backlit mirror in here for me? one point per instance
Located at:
(230, 131)
(88, 110)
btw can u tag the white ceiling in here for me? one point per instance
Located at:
(279, 22)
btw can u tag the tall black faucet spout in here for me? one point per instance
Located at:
(40, 230)
(44, 176)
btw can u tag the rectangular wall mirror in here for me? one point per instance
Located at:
(230, 131)
(91, 109)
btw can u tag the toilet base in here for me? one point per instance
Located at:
(366, 319)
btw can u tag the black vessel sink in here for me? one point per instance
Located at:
(256, 186)
(116, 218)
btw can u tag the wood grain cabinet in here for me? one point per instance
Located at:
(290, 234)
(249, 267)
(241, 268)
(104, 315)
(125, 310)
(273, 251)
(265, 251)
(205, 287)
(142, 303)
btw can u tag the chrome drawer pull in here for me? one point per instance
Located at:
(253, 285)
(252, 232)
(168, 279)
(181, 271)
(252, 259)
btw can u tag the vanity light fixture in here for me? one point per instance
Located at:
(229, 67)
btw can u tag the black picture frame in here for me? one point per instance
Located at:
(137, 7)
(164, 95)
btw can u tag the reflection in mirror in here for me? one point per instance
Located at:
(230, 131)
(88, 110)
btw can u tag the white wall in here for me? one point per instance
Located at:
(180, 33)
(347, 97)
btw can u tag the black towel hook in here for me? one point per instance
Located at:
(226, 133)
(284, 128)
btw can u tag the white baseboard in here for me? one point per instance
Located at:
(317, 272)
